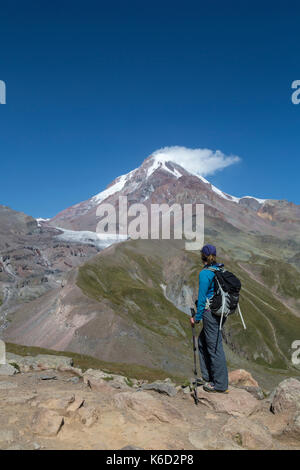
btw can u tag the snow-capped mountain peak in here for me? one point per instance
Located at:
(162, 161)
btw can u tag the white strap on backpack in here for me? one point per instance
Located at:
(242, 319)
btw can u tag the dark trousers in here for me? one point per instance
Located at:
(212, 358)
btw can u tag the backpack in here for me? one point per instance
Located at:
(225, 300)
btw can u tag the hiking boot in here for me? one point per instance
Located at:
(209, 387)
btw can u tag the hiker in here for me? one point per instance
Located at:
(212, 358)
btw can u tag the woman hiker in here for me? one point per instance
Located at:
(211, 353)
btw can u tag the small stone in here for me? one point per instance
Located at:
(48, 377)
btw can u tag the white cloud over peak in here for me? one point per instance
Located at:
(201, 162)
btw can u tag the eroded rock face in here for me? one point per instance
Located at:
(236, 403)
(286, 397)
(147, 407)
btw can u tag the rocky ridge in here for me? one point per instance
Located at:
(46, 403)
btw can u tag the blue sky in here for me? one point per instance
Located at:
(94, 87)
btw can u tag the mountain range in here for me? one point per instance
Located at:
(65, 287)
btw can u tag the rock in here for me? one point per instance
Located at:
(97, 380)
(48, 377)
(98, 376)
(293, 427)
(8, 369)
(248, 434)
(19, 398)
(47, 423)
(88, 415)
(237, 402)
(41, 362)
(286, 397)
(61, 404)
(255, 391)
(73, 380)
(241, 377)
(147, 407)
(161, 387)
(208, 439)
(76, 404)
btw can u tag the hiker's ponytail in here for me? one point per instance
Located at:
(211, 259)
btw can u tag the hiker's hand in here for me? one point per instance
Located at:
(192, 320)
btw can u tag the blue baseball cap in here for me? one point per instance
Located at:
(209, 250)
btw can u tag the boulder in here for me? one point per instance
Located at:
(286, 397)
(237, 402)
(248, 434)
(241, 377)
(47, 423)
(161, 387)
(147, 407)
(8, 369)
(292, 428)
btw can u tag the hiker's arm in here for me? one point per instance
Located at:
(204, 283)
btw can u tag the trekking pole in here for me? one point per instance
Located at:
(193, 313)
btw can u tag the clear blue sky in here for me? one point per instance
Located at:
(93, 87)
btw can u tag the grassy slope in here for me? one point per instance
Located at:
(88, 362)
(133, 279)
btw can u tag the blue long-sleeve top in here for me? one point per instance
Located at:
(206, 289)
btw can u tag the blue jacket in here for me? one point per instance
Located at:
(206, 289)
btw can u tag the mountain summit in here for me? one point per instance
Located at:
(161, 179)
